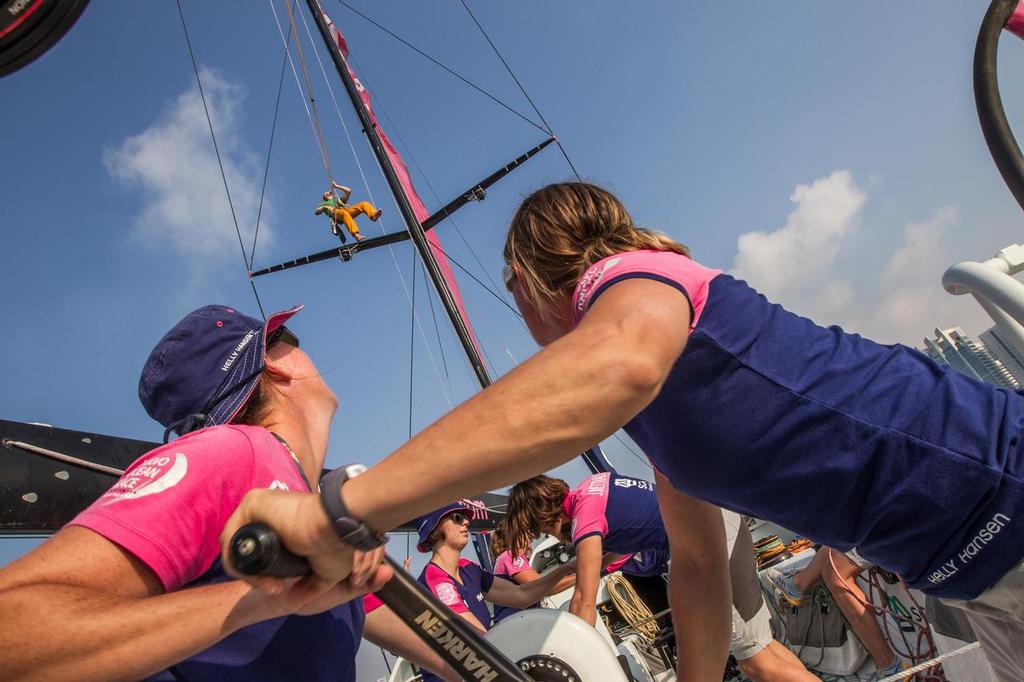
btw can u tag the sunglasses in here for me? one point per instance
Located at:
(283, 335)
(509, 275)
(458, 518)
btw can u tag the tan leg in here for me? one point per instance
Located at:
(842, 583)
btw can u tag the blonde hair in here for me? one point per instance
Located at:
(533, 504)
(561, 230)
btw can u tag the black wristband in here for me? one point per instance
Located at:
(351, 531)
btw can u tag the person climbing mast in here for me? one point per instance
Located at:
(338, 209)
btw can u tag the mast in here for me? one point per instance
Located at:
(412, 223)
(593, 458)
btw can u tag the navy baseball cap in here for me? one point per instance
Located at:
(202, 371)
(428, 522)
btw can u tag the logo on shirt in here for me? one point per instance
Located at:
(590, 280)
(153, 475)
(448, 595)
(634, 483)
(518, 562)
(598, 484)
(278, 485)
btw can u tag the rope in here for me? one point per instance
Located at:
(317, 128)
(451, 71)
(445, 389)
(412, 338)
(924, 635)
(631, 606)
(910, 672)
(220, 163)
(450, 218)
(643, 460)
(67, 459)
(270, 148)
(523, 90)
(437, 329)
(477, 280)
(298, 84)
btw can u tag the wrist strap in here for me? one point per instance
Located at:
(351, 531)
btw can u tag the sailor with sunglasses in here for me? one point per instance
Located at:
(462, 585)
(134, 588)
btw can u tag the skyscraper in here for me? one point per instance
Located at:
(1001, 347)
(954, 348)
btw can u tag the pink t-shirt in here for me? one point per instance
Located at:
(508, 566)
(170, 506)
(585, 506)
(685, 274)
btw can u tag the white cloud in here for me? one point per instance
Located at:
(173, 165)
(890, 296)
(795, 257)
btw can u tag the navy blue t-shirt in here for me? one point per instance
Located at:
(621, 509)
(843, 440)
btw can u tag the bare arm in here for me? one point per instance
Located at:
(526, 594)
(529, 575)
(385, 629)
(346, 192)
(571, 395)
(105, 614)
(699, 588)
(588, 578)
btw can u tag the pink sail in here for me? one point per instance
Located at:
(410, 192)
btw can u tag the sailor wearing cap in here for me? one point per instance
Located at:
(133, 588)
(462, 585)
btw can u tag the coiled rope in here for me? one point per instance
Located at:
(631, 606)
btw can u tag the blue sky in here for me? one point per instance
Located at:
(828, 152)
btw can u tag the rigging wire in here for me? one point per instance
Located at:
(523, 90)
(298, 84)
(412, 338)
(445, 388)
(220, 163)
(270, 149)
(430, 186)
(317, 128)
(449, 70)
(437, 329)
(487, 289)
(437, 246)
(643, 460)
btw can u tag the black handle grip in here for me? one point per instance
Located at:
(256, 550)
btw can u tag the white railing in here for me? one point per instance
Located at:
(994, 286)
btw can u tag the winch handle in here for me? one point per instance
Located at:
(257, 550)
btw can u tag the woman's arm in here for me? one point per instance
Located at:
(529, 593)
(80, 607)
(588, 578)
(529, 575)
(573, 394)
(699, 590)
(346, 192)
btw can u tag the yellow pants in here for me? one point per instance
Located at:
(348, 214)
